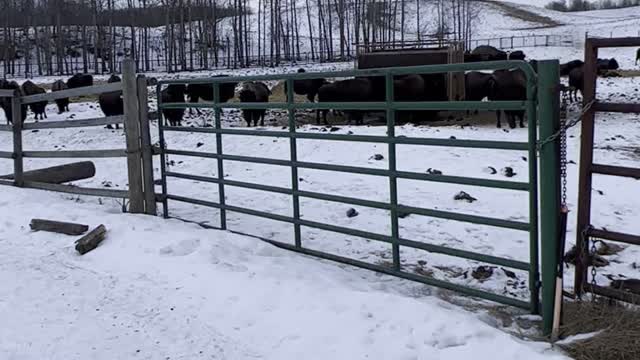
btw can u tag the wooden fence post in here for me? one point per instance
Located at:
(145, 141)
(132, 132)
(18, 166)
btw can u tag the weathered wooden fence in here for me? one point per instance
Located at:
(138, 151)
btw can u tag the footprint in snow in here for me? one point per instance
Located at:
(182, 248)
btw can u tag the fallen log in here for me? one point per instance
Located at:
(91, 240)
(58, 227)
(59, 174)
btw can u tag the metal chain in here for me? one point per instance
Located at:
(567, 126)
(582, 256)
(563, 159)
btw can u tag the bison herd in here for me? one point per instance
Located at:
(39, 108)
(501, 85)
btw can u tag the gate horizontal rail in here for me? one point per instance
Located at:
(369, 106)
(496, 184)
(404, 70)
(475, 219)
(520, 265)
(394, 206)
(402, 140)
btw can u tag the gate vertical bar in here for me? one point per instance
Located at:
(294, 168)
(586, 159)
(548, 101)
(218, 125)
(163, 156)
(18, 165)
(393, 179)
(534, 270)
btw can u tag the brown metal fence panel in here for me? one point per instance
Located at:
(588, 168)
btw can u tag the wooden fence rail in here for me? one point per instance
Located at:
(82, 91)
(65, 124)
(138, 152)
(6, 93)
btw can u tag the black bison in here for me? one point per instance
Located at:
(603, 65)
(195, 92)
(307, 87)
(350, 90)
(517, 55)
(416, 87)
(111, 103)
(174, 94)
(63, 104)
(5, 102)
(39, 108)
(509, 85)
(566, 68)
(80, 80)
(254, 92)
(489, 53)
(477, 86)
(576, 83)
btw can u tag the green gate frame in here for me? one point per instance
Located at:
(542, 96)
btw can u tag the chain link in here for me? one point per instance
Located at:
(592, 255)
(582, 256)
(567, 126)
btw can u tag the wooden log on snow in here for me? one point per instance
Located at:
(59, 174)
(58, 227)
(91, 240)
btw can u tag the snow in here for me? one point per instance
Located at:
(164, 289)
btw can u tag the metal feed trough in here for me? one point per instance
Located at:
(433, 53)
(541, 106)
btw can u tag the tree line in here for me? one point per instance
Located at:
(48, 37)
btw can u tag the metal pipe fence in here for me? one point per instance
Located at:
(394, 206)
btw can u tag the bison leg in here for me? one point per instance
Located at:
(521, 116)
(511, 119)
(324, 117)
(498, 117)
(246, 114)
(263, 113)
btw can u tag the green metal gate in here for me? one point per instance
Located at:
(541, 103)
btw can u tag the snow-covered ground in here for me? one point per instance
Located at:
(164, 289)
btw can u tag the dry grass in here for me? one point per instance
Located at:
(618, 328)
